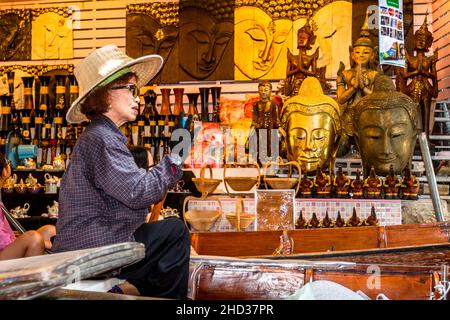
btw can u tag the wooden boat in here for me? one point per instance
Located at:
(405, 261)
(398, 273)
(264, 243)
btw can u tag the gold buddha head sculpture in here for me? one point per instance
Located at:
(385, 127)
(311, 126)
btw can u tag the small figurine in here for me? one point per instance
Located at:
(410, 185)
(322, 183)
(391, 185)
(341, 184)
(354, 83)
(303, 65)
(301, 223)
(371, 220)
(265, 110)
(339, 221)
(420, 70)
(326, 222)
(357, 186)
(314, 222)
(354, 220)
(372, 185)
(306, 186)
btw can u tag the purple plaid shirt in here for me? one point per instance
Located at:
(104, 196)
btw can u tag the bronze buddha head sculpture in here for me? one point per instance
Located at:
(385, 127)
(311, 125)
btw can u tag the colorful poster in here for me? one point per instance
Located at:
(391, 33)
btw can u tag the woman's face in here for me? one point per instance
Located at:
(124, 106)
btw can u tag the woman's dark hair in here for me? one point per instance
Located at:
(140, 155)
(3, 162)
(96, 103)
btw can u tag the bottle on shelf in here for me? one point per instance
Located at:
(204, 99)
(215, 94)
(5, 123)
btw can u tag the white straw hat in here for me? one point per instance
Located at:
(104, 63)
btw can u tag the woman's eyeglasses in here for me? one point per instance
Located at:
(131, 87)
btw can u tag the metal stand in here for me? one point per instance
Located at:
(431, 177)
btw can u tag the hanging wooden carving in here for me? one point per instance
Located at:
(51, 34)
(206, 40)
(15, 35)
(152, 28)
(264, 30)
(262, 36)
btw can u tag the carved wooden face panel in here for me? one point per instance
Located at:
(52, 37)
(334, 35)
(260, 44)
(15, 35)
(145, 35)
(206, 46)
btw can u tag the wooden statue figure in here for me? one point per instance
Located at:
(326, 222)
(354, 83)
(354, 220)
(410, 185)
(303, 65)
(341, 184)
(391, 185)
(265, 111)
(306, 186)
(339, 221)
(372, 185)
(301, 223)
(371, 220)
(322, 183)
(357, 186)
(314, 222)
(420, 70)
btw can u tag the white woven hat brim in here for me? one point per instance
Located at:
(145, 68)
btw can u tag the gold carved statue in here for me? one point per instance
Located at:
(373, 184)
(303, 65)
(357, 186)
(341, 184)
(420, 69)
(311, 127)
(385, 123)
(354, 83)
(322, 183)
(391, 185)
(410, 185)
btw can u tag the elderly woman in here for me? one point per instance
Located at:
(104, 196)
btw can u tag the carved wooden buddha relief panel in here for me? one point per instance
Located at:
(260, 44)
(206, 40)
(153, 28)
(52, 34)
(15, 35)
